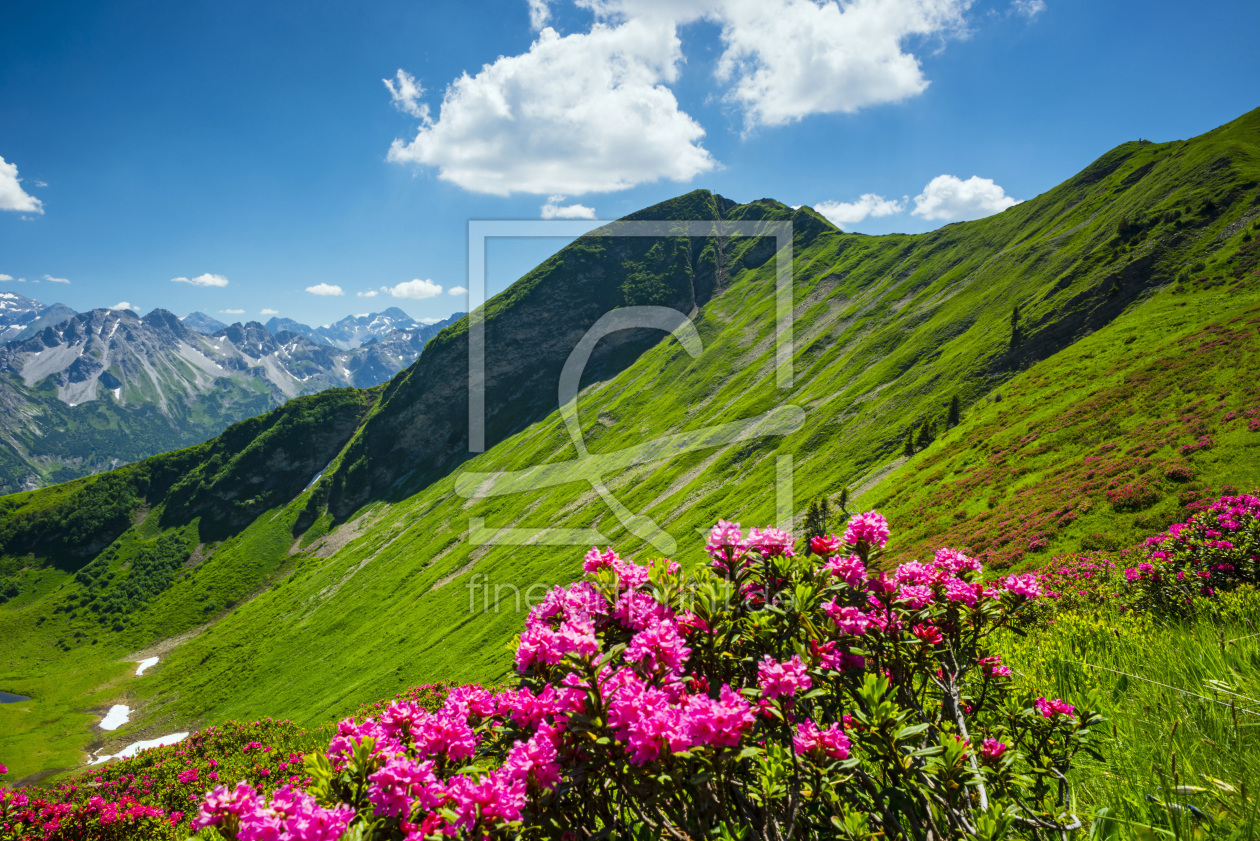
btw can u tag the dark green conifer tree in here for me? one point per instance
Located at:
(817, 516)
(955, 414)
(925, 436)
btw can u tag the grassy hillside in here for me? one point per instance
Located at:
(372, 579)
(1101, 445)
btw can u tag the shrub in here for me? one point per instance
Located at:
(771, 696)
(1132, 496)
(1180, 570)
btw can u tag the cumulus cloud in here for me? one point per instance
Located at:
(52, 279)
(430, 320)
(268, 311)
(788, 59)
(554, 210)
(539, 13)
(405, 92)
(415, 289)
(947, 197)
(457, 290)
(1028, 8)
(203, 280)
(325, 289)
(371, 293)
(4, 277)
(232, 312)
(844, 214)
(593, 111)
(580, 113)
(124, 305)
(12, 196)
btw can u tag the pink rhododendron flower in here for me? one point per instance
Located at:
(1054, 707)
(848, 619)
(850, 569)
(401, 781)
(917, 596)
(929, 634)
(957, 590)
(659, 648)
(720, 722)
(824, 546)
(992, 749)
(782, 678)
(870, 529)
(596, 560)
(830, 742)
(726, 544)
(914, 572)
(953, 561)
(1025, 585)
(771, 542)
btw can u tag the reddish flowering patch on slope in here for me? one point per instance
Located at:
(1135, 467)
(1216, 549)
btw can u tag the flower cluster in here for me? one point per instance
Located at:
(154, 795)
(1215, 550)
(291, 815)
(790, 690)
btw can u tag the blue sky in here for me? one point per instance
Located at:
(255, 151)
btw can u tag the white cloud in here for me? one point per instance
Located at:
(948, 197)
(52, 279)
(593, 111)
(1028, 8)
(325, 289)
(417, 289)
(457, 290)
(232, 312)
(268, 311)
(539, 13)
(843, 214)
(124, 305)
(580, 113)
(787, 59)
(430, 320)
(4, 277)
(203, 280)
(12, 196)
(371, 293)
(554, 210)
(405, 92)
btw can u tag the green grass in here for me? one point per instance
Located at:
(1115, 408)
(1182, 701)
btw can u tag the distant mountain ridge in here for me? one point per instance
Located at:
(108, 387)
(20, 314)
(354, 330)
(203, 323)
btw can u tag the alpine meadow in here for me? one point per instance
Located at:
(750, 527)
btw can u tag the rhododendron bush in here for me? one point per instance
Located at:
(1176, 572)
(771, 695)
(155, 794)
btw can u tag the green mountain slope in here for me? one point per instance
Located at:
(369, 580)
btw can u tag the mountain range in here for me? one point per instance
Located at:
(21, 316)
(107, 387)
(1100, 342)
